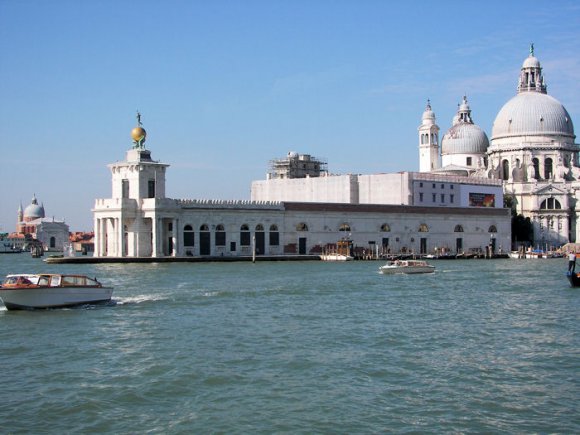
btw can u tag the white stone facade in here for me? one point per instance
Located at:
(139, 221)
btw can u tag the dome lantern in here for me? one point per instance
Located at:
(531, 79)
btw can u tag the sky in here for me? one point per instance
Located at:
(224, 87)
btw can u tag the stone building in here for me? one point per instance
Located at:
(406, 212)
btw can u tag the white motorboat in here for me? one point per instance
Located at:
(336, 257)
(407, 266)
(31, 291)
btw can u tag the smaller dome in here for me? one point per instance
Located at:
(138, 134)
(428, 117)
(531, 62)
(464, 138)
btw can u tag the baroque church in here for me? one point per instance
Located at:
(32, 224)
(532, 151)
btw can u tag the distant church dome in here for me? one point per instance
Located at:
(464, 137)
(532, 112)
(33, 211)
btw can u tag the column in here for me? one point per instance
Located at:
(96, 239)
(175, 238)
(120, 237)
(154, 236)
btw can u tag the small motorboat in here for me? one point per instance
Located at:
(48, 290)
(336, 257)
(406, 266)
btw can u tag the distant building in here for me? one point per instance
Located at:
(296, 165)
(83, 242)
(32, 225)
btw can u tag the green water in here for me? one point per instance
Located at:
(481, 346)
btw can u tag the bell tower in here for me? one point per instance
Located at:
(428, 141)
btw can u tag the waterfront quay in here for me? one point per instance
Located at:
(246, 258)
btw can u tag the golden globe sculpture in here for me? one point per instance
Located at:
(138, 134)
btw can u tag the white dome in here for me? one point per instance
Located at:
(531, 62)
(532, 113)
(33, 211)
(464, 138)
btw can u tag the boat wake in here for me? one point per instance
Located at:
(138, 299)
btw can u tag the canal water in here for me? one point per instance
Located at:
(480, 346)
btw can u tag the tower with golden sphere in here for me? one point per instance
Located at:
(128, 224)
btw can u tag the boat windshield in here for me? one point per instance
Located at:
(25, 279)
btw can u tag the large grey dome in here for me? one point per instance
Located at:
(464, 138)
(532, 113)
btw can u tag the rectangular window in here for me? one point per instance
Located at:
(420, 184)
(468, 161)
(420, 196)
(274, 238)
(233, 246)
(434, 197)
(451, 186)
(433, 185)
(244, 238)
(442, 198)
(220, 238)
(451, 198)
(151, 189)
(443, 186)
(125, 189)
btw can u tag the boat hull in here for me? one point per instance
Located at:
(336, 257)
(574, 279)
(53, 297)
(386, 270)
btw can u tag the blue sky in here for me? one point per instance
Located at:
(225, 86)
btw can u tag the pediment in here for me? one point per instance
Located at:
(550, 189)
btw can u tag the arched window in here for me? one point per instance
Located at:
(259, 227)
(245, 235)
(274, 235)
(458, 228)
(385, 228)
(220, 235)
(204, 227)
(423, 228)
(548, 168)
(492, 229)
(344, 227)
(550, 204)
(301, 227)
(505, 172)
(536, 164)
(188, 236)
